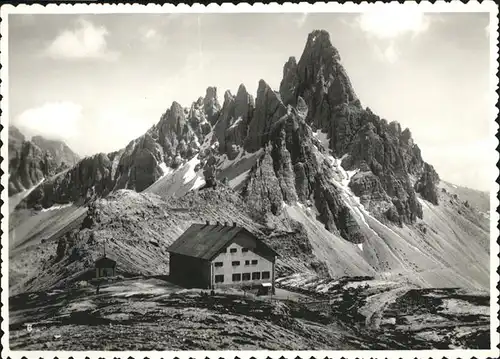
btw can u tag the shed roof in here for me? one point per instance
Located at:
(205, 241)
(105, 262)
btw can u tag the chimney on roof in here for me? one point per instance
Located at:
(207, 223)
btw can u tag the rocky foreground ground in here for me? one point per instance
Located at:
(152, 314)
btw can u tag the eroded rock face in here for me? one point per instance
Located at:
(315, 95)
(197, 119)
(211, 105)
(394, 169)
(232, 126)
(32, 161)
(268, 111)
(16, 139)
(291, 170)
(262, 192)
(427, 184)
(172, 141)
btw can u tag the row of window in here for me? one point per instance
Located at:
(234, 250)
(237, 263)
(238, 277)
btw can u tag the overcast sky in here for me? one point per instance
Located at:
(99, 81)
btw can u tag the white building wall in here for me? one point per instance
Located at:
(245, 265)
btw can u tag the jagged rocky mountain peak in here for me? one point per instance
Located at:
(317, 75)
(242, 90)
(228, 97)
(211, 93)
(176, 108)
(313, 119)
(211, 105)
(319, 41)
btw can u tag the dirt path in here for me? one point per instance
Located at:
(375, 305)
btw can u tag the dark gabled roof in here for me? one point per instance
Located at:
(205, 241)
(105, 262)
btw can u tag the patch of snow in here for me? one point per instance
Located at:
(238, 120)
(238, 179)
(461, 307)
(372, 283)
(454, 186)
(198, 183)
(323, 138)
(55, 207)
(360, 245)
(166, 170)
(190, 173)
(325, 287)
(224, 162)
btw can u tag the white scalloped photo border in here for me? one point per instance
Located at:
(454, 7)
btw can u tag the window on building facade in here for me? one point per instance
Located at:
(233, 250)
(244, 250)
(255, 275)
(236, 277)
(254, 261)
(246, 276)
(236, 263)
(265, 275)
(219, 278)
(218, 264)
(247, 262)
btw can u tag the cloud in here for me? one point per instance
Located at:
(390, 54)
(85, 41)
(301, 20)
(54, 120)
(388, 22)
(150, 34)
(152, 38)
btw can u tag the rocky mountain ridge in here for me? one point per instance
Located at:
(32, 161)
(301, 139)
